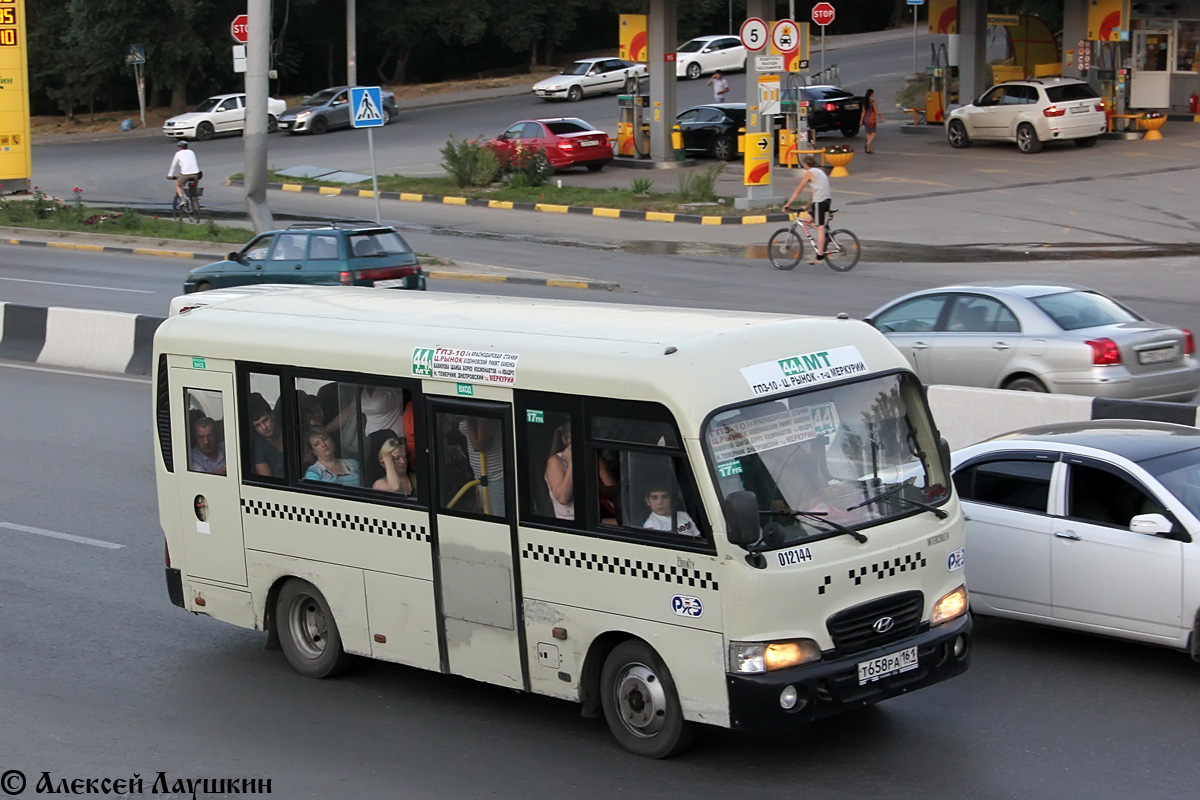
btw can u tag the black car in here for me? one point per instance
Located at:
(712, 129)
(831, 108)
(322, 253)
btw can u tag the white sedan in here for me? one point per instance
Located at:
(590, 76)
(706, 54)
(1087, 525)
(222, 113)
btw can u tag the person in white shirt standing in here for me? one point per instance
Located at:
(720, 87)
(819, 205)
(184, 167)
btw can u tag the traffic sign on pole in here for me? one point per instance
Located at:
(754, 34)
(366, 106)
(823, 14)
(785, 36)
(240, 28)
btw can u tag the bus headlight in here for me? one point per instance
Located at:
(752, 658)
(951, 606)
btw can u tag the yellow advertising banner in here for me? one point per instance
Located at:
(1106, 20)
(757, 164)
(15, 155)
(633, 42)
(943, 16)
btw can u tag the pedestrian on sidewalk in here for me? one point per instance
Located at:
(720, 87)
(870, 118)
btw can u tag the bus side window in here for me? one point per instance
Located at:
(641, 479)
(265, 457)
(206, 431)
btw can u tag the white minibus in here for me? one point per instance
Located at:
(669, 516)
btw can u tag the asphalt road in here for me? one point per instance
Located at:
(100, 676)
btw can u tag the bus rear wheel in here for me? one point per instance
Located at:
(308, 634)
(640, 703)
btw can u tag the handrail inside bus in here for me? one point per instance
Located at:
(461, 492)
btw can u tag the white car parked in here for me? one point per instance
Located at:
(591, 76)
(1087, 525)
(222, 113)
(706, 54)
(1030, 113)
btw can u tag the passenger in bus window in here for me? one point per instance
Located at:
(208, 451)
(486, 453)
(308, 409)
(268, 438)
(559, 474)
(327, 466)
(663, 517)
(387, 464)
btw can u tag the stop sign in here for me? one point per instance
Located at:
(240, 27)
(822, 13)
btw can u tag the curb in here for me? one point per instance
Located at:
(548, 208)
(105, 248)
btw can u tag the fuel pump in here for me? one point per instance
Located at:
(633, 130)
(936, 98)
(795, 134)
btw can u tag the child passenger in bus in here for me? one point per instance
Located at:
(327, 466)
(663, 517)
(268, 438)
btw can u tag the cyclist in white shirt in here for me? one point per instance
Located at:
(818, 205)
(183, 167)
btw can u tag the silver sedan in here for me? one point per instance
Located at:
(1039, 338)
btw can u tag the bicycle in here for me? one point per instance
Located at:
(786, 248)
(188, 205)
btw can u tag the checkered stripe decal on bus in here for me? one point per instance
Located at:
(619, 566)
(334, 519)
(885, 569)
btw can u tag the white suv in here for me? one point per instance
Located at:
(1029, 113)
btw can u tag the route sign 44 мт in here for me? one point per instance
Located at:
(823, 14)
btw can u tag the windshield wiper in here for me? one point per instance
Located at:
(939, 513)
(818, 516)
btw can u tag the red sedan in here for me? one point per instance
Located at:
(567, 142)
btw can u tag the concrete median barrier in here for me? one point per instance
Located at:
(98, 341)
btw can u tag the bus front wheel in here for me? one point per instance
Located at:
(640, 702)
(308, 634)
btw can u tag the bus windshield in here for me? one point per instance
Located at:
(849, 456)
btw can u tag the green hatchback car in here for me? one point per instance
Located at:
(317, 253)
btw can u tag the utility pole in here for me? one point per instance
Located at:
(351, 45)
(258, 46)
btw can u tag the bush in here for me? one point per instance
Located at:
(526, 166)
(469, 163)
(699, 187)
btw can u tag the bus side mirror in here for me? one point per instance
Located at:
(741, 518)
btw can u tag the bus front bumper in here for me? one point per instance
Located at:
(827, 688)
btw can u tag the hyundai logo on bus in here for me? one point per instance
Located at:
(685, 606)
(883, 624)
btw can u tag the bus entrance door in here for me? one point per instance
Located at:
(210, 500)
(476, 529)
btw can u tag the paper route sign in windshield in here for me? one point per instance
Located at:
(738, 438)
(807, 369)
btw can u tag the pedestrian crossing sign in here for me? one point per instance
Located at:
(366, 107)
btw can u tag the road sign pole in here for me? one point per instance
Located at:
(374, 174)
(914, 8)
(824, 77)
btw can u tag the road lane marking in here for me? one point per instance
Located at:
(53, 371)
(78, 285)
(12, 526)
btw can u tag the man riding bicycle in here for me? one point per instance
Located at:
(819, 204)
(185, 166)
